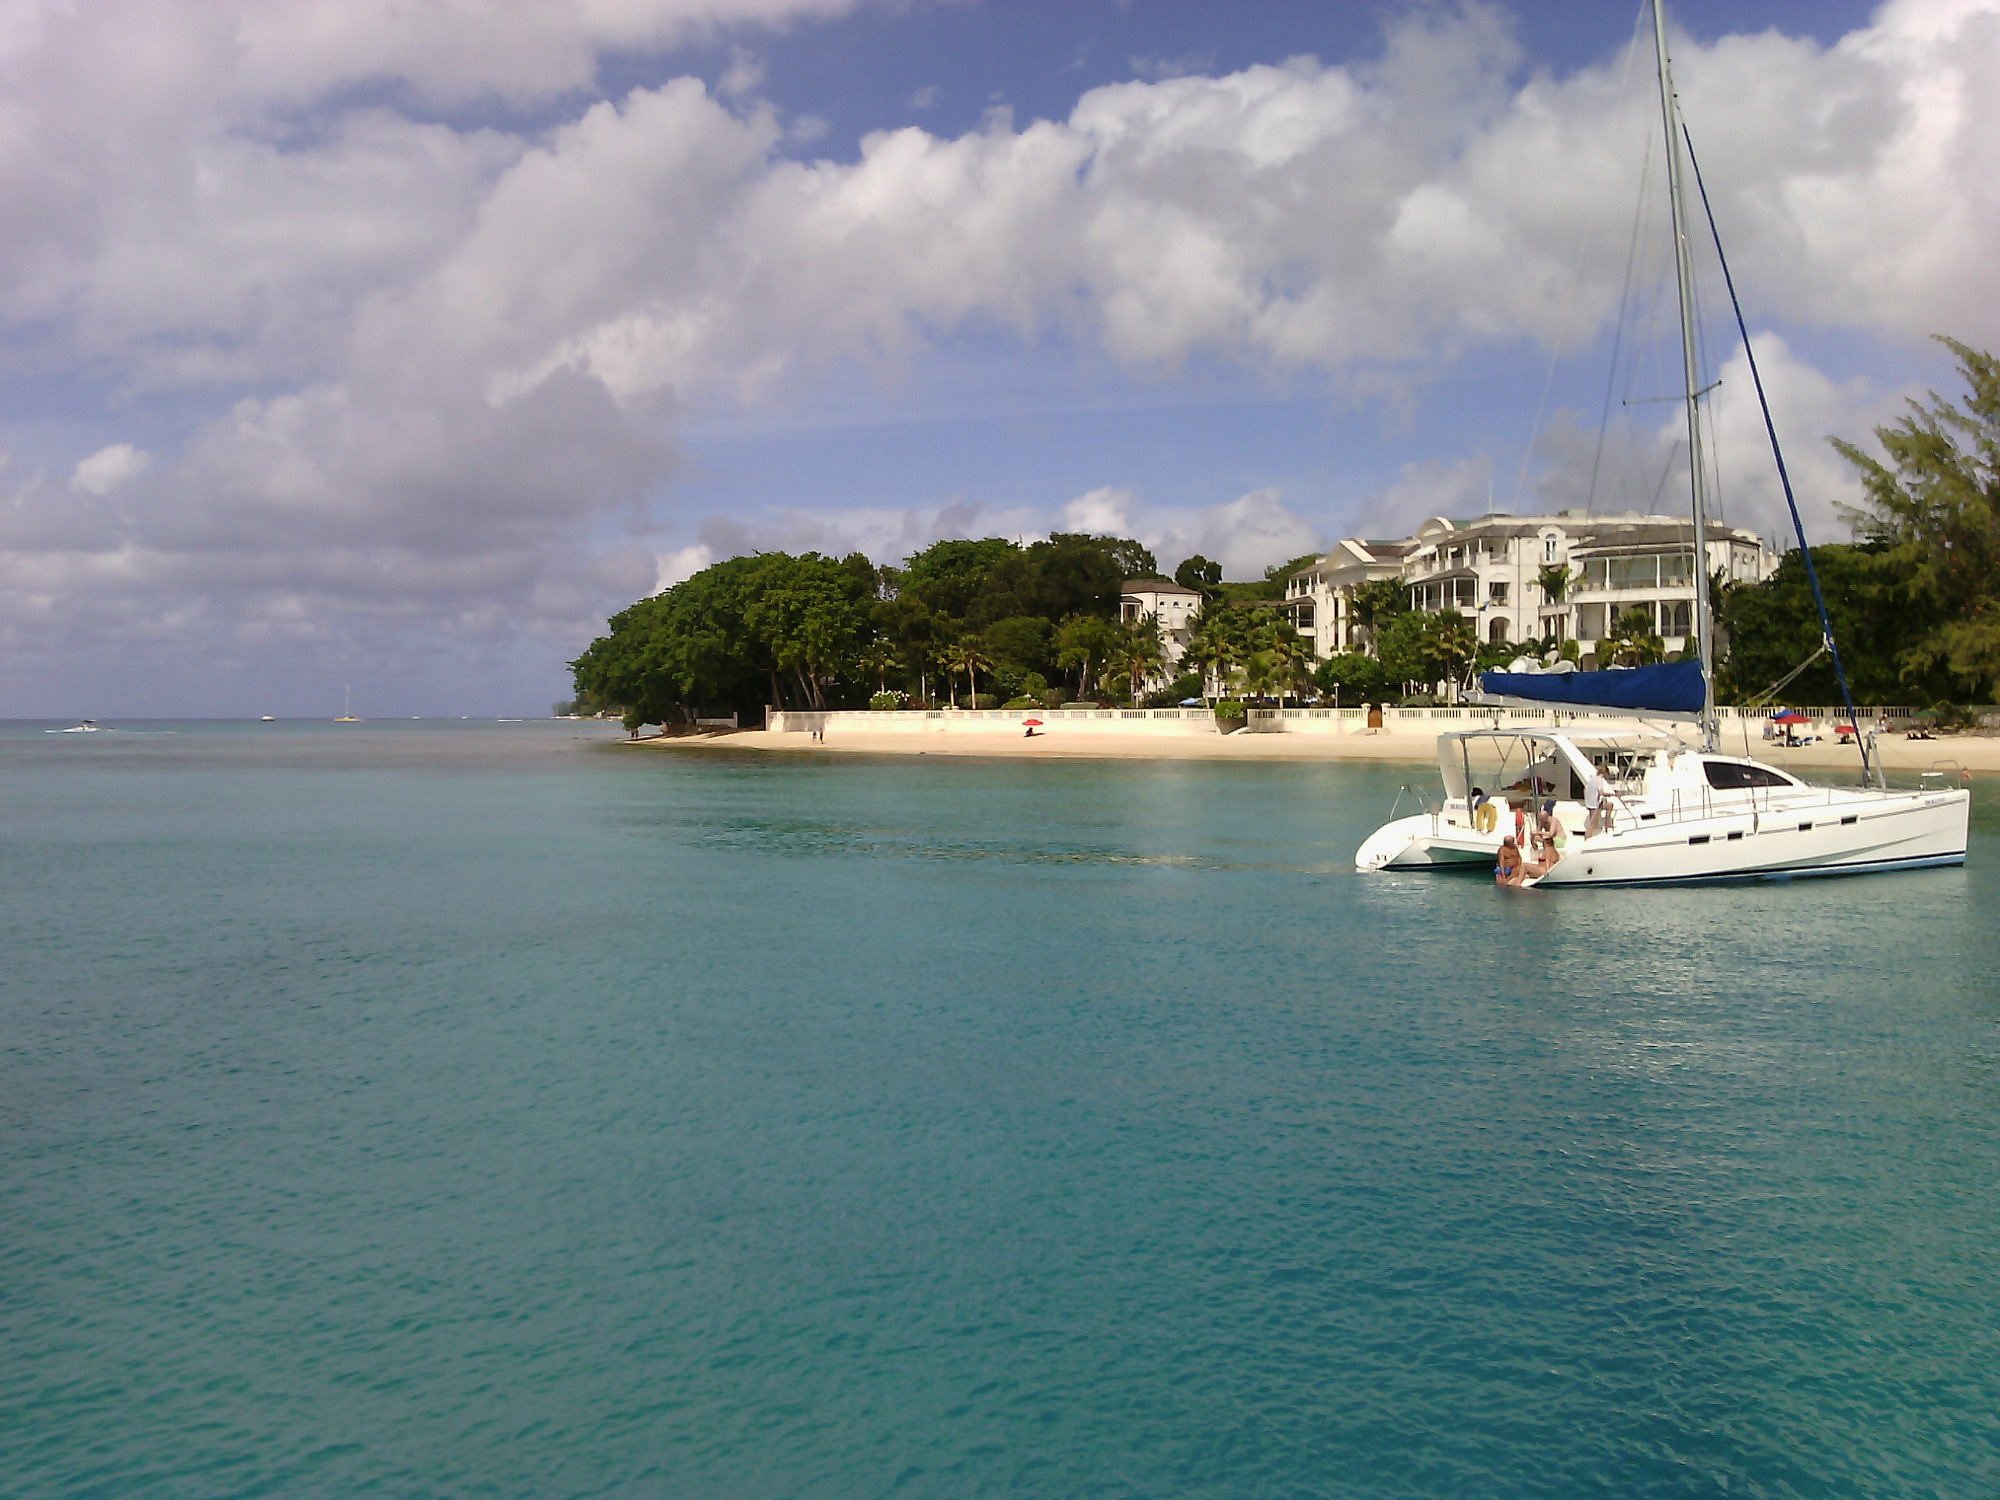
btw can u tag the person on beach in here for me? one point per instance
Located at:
(1507, 869)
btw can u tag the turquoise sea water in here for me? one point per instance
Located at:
(474, 1109)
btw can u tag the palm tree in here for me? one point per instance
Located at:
(1449, 645)
(1554, 580)
(1289, 654)
(1261, 673)
(1210, 652)
(1633, 642)
(1372, 604)
(1083, 641)
(1139, 650)
(968, 656)
(881, 658)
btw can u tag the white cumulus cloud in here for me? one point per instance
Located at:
(108, 468)
(438, 308)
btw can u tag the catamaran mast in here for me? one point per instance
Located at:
(1684, 272)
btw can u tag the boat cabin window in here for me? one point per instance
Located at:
(1734, 775)
(1622, 765)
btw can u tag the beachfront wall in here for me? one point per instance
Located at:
(1182, 722)
(1067, 721)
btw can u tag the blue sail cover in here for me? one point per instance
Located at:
(1674, 687)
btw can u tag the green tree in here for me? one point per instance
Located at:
(1633, 641)
(1290, 655)
(1199, 574)
(1138, 651)
(1375, 604)
(880, 659)
(1210, 653)
(1554, 579)
(968, 656)
(1935, 507)
(1223, 637)
(1279, 573)
(1133, 559)
(917, 633)
(806, 618)
(768, 628)
(1352, 678)
(1019, 647)
(1084, 643)
(1262, 676)
(1877, 611)
(947, 576)
(1400, 647)
(1446, 645)
(1069, 574)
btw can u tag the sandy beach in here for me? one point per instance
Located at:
(1977, 753)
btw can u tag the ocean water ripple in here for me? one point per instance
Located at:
(486, 1110)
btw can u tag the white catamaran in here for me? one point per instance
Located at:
(1644, 805)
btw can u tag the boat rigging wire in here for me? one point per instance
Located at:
(1784, 476)
(1575, 277)
(1624, 302)
(1784, 682)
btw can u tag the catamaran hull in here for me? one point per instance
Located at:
(1426, 842)
(1864, 834)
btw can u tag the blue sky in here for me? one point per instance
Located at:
(399, 344)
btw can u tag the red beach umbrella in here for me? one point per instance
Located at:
(1790, 716)
(1037, 723)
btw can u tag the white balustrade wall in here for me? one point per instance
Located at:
(1201, 721)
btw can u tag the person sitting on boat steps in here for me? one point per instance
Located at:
(1549, 828)
(1597, 797)
(1507, 870)
(1485, 816)
(1549, 839)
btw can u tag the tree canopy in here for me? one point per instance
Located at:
(1915, 603)
(1934, 511)
(813, 631)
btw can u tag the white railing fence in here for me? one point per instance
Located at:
(1820, 720)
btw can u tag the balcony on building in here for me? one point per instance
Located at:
(1457, 590)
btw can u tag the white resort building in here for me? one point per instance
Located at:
(1491, 569)
(1173, 605)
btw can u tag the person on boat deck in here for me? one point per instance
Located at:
(1507, 869)
(1485, 816)
(1521, 824)
(1597, 797)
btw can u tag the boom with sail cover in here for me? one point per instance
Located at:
(1676, 688)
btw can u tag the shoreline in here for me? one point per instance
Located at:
(1976, 753)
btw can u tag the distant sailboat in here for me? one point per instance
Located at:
(347, 710)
